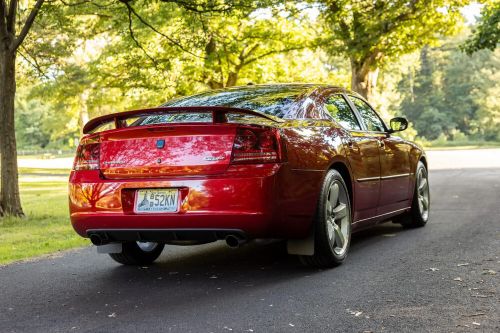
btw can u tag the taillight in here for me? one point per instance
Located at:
(256, 145)
(87, 155)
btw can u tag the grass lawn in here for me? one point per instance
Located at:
(46, 227)
(43, 171)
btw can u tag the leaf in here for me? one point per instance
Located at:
(489, 272)
(355, 312)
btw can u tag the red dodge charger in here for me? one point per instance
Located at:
(307, 163)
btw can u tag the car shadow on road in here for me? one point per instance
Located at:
(186, 278)
(251, 263)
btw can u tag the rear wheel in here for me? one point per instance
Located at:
(138, 253)
(420, 207)
(332, 224)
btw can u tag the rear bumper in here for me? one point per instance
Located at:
(242, 199)
(165, 235)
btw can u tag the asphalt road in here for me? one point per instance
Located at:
(441, 278)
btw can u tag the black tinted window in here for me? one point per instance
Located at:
(341, 112)
(188, 117)
(280, 101)
(371, 119)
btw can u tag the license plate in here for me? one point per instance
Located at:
(156, 201)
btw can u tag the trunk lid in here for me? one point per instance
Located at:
(176, 150)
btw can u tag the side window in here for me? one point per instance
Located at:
(372, 121)
(341, 112)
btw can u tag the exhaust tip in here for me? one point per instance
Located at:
(97, 240)
(234, 241)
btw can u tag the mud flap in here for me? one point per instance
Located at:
(110, 248)
(304, 247)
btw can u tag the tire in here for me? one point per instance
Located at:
(420, 207)
(332, 224)
(137, 253)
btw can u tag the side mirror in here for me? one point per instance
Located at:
(398, 124)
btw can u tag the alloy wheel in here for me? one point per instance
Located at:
(338, 218)
(423, 193)
(147, 246)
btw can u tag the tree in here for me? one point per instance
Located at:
(10, 41)
(370, 33)
(147, 69)
(453, 95)
(422, 104)
(487, 33)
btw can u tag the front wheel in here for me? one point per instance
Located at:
(332, 224)
(138, 253)
(420, 207)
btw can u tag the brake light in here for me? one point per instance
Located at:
(255, 145)
(87, 155)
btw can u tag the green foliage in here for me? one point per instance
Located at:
(487, 32)
(382, 30)
(373, 33)
(145, 52)
(29, 117)
(453, 96)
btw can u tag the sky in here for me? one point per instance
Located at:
(471, 12)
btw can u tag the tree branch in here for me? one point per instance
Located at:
(28, 23)
(211, 7)
(33, 62)
(132, 35)
(147, 24)
(273, 52)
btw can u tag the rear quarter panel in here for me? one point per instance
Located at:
(312, 146)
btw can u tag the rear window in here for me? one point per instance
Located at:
(185, 117)
(279, 101)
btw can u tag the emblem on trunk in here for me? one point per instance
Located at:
(113, 162)
(160, 143)
(214, 158)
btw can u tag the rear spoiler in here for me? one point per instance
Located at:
(218, 115)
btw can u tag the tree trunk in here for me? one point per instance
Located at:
(10, 200)
(232, 79)
(363, 78)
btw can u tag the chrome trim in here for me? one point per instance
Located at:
(367, 179)
(396, 176)
(374, 217)
(382, 178)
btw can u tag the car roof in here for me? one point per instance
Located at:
(282, 100)
(277, 87)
